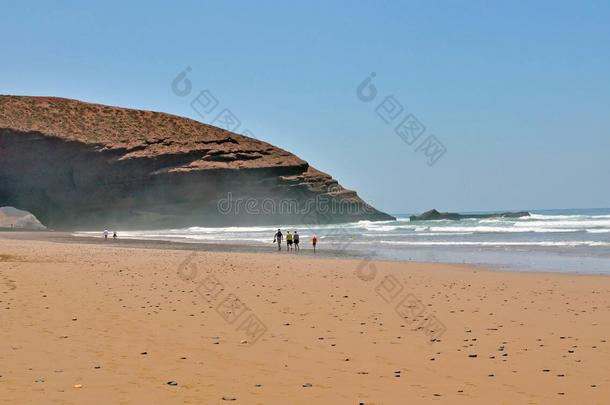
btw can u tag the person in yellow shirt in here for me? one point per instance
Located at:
(289, 241)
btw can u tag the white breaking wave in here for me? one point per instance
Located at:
(230, 229)
(563, 223)
(555, 217)
(422, 235)
(171, 237)
(382, 228)
(496, 244)
(497, 229)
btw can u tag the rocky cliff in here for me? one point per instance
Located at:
(76, 165)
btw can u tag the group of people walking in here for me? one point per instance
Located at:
(292, 240)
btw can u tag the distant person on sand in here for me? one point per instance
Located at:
(314, 242)
(289, 241)
(278, 238)
(106, 234)
(295, 238)
(114, 235)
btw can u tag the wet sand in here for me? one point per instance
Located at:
(103, 322)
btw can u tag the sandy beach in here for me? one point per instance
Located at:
(109, 323)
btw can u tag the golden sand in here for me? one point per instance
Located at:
(101, 324)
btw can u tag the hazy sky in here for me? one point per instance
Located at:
(517, 92)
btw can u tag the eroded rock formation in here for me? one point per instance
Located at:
(12, 218)
(77, 165)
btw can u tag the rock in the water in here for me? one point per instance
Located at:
(76, 165)
(434, 215)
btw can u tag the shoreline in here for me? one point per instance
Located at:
(306, 253)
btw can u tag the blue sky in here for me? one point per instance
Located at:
(517, 92)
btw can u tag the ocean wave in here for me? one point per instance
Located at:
(171, 237)
(573, 216)
(543, 217)
(423, 235)
(366, 221)
(381, 228)
(498, 229)
(385, 228)
(237, 229)
(588, 224)
(496, 221)
(497, 244)
(445, 234)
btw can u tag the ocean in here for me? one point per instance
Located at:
(573, 240)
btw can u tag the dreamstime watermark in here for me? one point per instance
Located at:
(406, 126)
(227, 304)
(407, 306)
(311, 209)
(205, 104)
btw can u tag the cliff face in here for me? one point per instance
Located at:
(77, 165)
